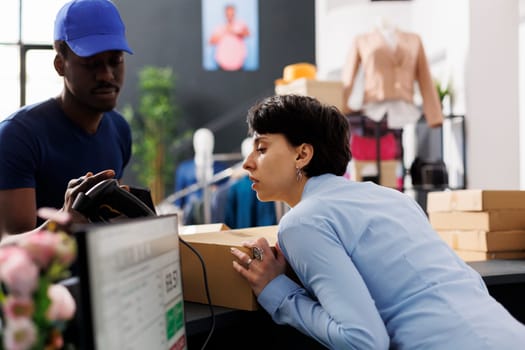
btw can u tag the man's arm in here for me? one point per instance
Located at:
(17, 210)
(18, 206)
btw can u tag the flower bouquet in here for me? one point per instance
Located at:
(34, 310)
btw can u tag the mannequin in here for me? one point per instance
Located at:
(388, 30)
(198, 170)
(203, 143)
(392, 61)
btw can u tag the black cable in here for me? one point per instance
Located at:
(205, 276)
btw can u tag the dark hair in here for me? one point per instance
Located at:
(303, 119)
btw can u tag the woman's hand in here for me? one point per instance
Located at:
(263, 267)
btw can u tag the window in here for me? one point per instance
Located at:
(26, 36)
(10, 80)
(42, 81)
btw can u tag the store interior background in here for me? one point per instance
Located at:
(217, 100)
(474, 42)
(479, 44)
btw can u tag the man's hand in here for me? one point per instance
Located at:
(82, 185)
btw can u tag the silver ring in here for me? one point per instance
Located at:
(250, 260)
(258, 253)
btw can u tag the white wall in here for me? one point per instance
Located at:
(521, 89)
(475, 42)
(492, 95)
(444, 28)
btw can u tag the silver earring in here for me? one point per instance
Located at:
(298, 174)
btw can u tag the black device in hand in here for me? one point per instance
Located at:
(108, 201)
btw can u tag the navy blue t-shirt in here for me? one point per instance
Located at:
(41, 148)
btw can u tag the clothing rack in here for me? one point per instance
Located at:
(224, 174)
(451, 155)
(167, 205)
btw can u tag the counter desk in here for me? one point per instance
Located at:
(237, 329)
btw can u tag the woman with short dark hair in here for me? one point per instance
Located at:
(373, 272)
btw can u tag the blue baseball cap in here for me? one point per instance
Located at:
(90, 27)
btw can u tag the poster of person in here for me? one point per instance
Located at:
(230, 35)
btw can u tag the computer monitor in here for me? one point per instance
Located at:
(130, 286)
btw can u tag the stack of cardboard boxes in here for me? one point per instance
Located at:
(480, 224)
(326, 91)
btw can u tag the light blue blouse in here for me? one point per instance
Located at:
(376, 275)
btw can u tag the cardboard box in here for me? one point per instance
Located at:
(328, 92)
(475, 200)
(497, 241)
(498, 220)
(227, 288)
(363, 168)
(204, 228)
(467, 255)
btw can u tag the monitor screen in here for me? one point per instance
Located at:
(130, 285)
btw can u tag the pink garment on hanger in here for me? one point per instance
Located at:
(364, 148)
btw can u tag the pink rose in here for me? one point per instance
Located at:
(6, 251)
(18, 272)
(18, 307)
(62, 303)
(41, 246)
(19, 334)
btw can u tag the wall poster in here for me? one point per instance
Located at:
(230, 35)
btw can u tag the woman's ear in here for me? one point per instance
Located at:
(59, 64)
(305, 152)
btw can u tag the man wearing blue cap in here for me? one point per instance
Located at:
(77, 133)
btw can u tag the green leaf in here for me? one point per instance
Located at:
(156, 126)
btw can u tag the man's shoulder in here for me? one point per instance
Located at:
(29, 116)
(34, 109)
(47, 106)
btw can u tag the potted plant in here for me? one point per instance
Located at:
(443, 91)
(156, 130)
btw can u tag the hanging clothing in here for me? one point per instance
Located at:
(364, 148)
(185, 176)
(390, 74)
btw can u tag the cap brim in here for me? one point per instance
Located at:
(95, 44)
